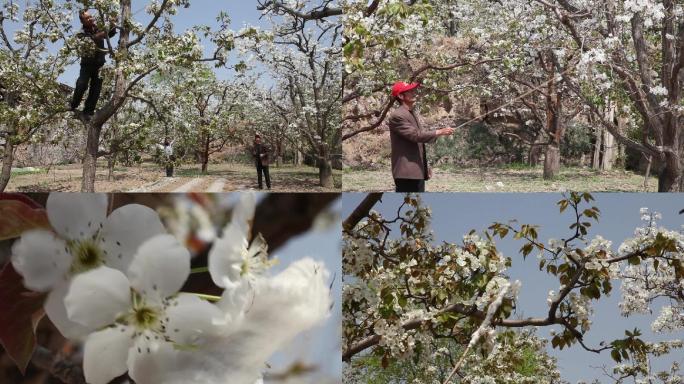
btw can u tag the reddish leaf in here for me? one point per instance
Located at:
(18, 214)
(20, 312)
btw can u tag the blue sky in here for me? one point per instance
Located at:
(456, 214)
(200, 12)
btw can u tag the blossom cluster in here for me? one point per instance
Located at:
(393, 282)
(115, 281)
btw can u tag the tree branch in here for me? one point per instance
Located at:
(361, 211)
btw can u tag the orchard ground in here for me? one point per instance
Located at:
(506, 179)
(150, 177)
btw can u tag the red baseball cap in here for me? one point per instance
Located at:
(401, 87)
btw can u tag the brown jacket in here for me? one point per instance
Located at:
(408, 139)
(266, 158)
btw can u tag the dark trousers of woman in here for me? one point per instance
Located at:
(88, 78)
(409, 185)
(263, 169)
(169, 170)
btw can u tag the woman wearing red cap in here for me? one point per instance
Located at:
(409, 160)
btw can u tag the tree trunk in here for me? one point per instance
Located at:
(534, 154)
(324, 167)
(7, 160)
(205, 156)
(608, 151)
(681, 157)
(554, 126)
(596, 161)
(608, 140)
(649, 159)
(621, 149)
(299, 158)
(110, 167)
(670, 179)
(551, 161)
(672, 175)
(325, 174)
(90, 158)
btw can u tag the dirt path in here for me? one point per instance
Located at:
(150, 178)
(239, 178)
(154, 186)
(217, 186)
(190, 185)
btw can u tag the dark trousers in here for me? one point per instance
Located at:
(169, 170)
(263, 169)
(88, 78)
(409, 185)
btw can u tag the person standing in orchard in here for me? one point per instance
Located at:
(91, 62)
(409, 158)
(260, 152)
(168, 157)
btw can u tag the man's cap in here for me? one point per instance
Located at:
(401, 87)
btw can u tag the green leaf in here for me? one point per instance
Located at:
(17, 216)
(555, 341)
(20, 312)
(615, 354)
(526, 249)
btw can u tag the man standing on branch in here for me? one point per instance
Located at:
(91, 61)
(409, 159)
(261, 159)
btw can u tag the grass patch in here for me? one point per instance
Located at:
(517, 166)
(474, 179)
(188, 172)
(26, 171)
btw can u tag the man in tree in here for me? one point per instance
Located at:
(91, 62)
(409, 159)
(261, 159)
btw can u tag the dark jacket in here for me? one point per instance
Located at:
(96, 55)
(259, 149)
(409, 160)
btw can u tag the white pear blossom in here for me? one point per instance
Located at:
(83, 238)
(232, 257)
(272, 310)
(139, 315)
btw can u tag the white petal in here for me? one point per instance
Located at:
(41, 258)
(192, 320)
(243, 212)
(226, 256)
(207, 365)
(160, 267)
(239, 358)
(97, 297)
(76, 215)
(149, 361)
(234, 301)
(105, 354)
(125, 230)
(56, 311)
(294, 300)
